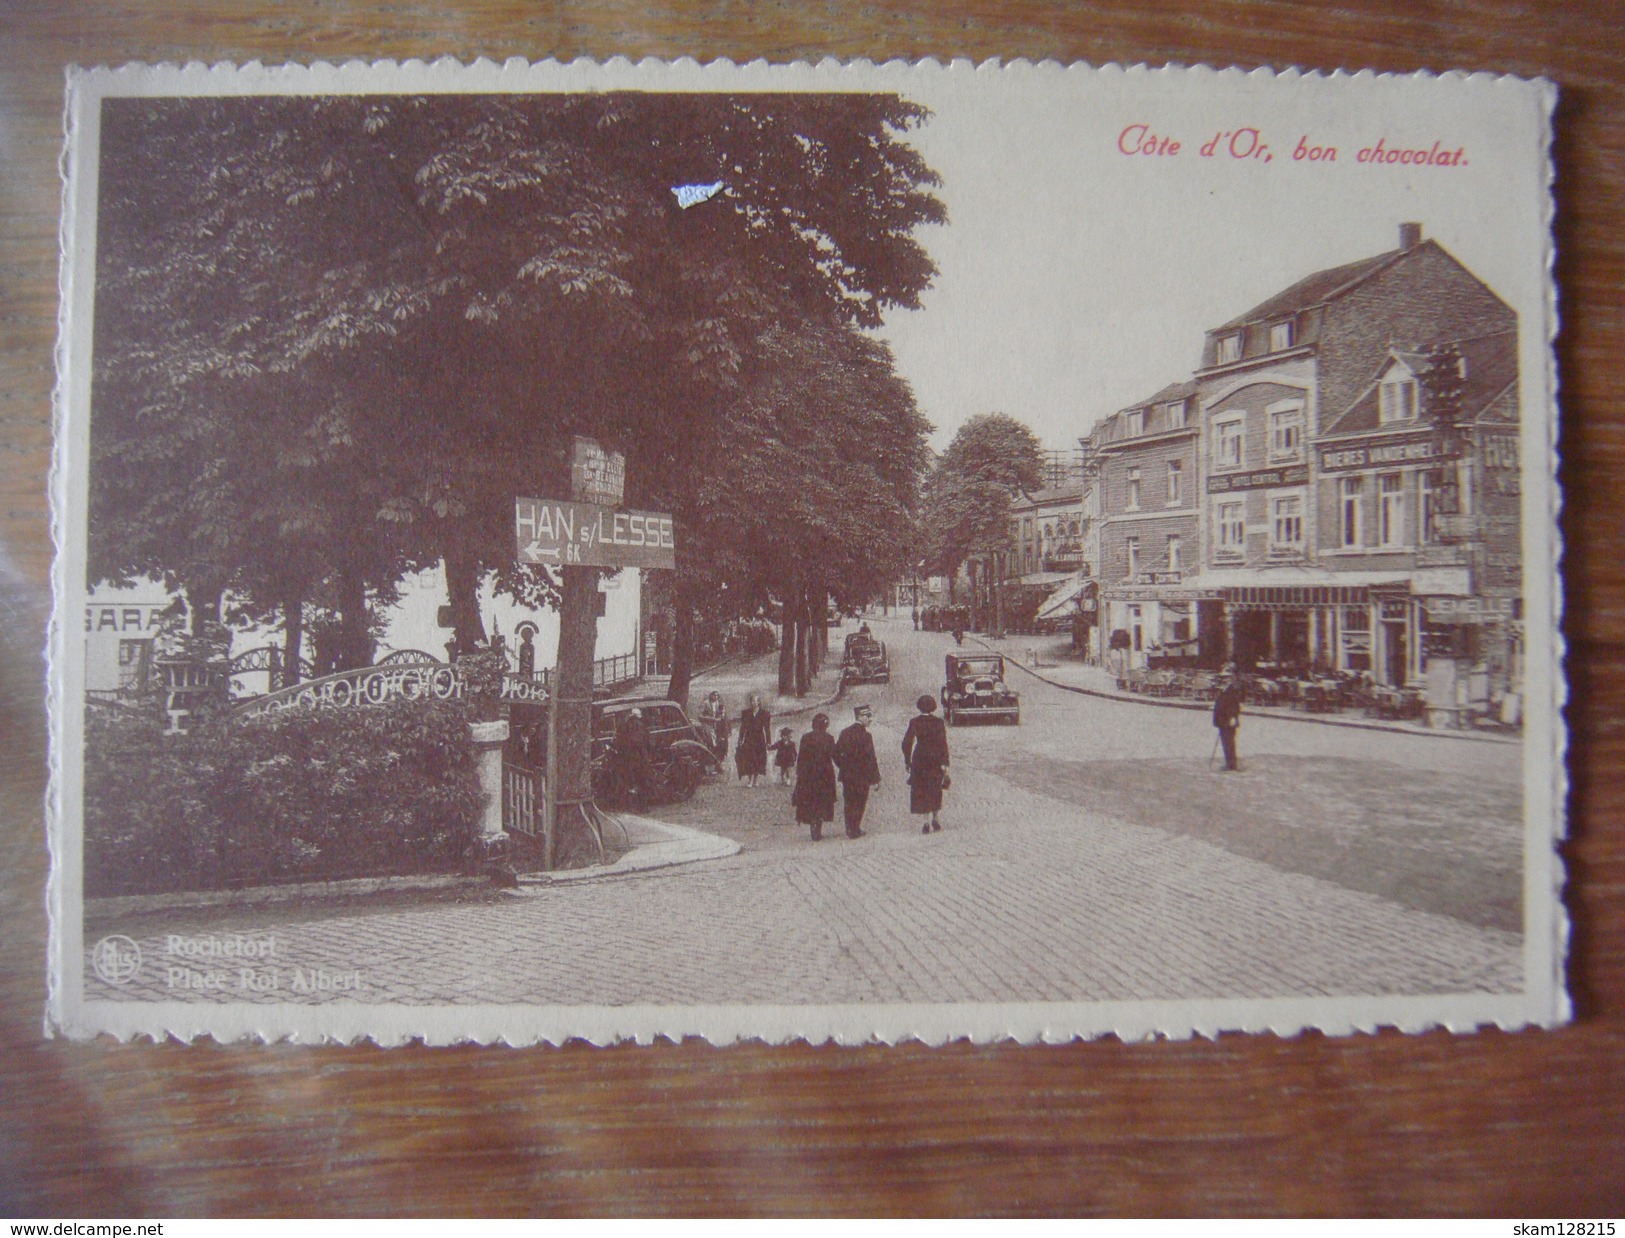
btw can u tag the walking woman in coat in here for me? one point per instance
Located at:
(750, 753)
(925, 756)
(814, 796)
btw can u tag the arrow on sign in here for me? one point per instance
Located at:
(537, 551)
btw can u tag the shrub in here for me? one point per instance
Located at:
(294, 795)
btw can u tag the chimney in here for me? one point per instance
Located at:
(1410, 236)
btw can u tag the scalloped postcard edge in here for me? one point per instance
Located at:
(1544, 1001)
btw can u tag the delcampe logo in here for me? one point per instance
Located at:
(116, 959)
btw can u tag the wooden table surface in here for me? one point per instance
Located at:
(1514, 1124)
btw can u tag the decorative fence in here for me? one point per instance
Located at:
(266, 659)
(411, 675)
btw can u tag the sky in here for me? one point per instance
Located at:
(1075, 279)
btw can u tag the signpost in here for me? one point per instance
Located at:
(577, 538)
(596, 475)
(555, 533)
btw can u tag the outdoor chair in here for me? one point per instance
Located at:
(1264, 692)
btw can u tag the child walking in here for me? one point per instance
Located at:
(784, 756)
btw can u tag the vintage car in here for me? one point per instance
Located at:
(974, 687)
(678, 755)
(865, 660)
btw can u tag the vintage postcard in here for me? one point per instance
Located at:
(844, 551)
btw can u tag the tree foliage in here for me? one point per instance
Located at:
(966, 508)
(336, 336)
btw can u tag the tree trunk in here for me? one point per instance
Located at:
(682, 649)
(463, 592)
(293, 635)
(787, 645)
(204, 598)
(355, 642)
(821, 632)
(803, 650)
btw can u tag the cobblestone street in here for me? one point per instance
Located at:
(1089, 854)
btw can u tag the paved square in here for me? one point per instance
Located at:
(1088, 854)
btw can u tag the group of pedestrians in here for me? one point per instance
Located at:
(851, 760)
(751, 748)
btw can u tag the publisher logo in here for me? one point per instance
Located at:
(116, 959)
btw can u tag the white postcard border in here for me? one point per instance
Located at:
(68, 1012)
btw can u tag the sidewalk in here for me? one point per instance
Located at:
(737, 677)
(651, 844)
(1050, 658)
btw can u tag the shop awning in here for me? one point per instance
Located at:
(1056, 603)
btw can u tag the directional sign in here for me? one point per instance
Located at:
(561, 534)
(596, 475)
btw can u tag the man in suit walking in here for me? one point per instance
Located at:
(1227, 716)
(860, 770)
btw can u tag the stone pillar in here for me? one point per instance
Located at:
(488, 739)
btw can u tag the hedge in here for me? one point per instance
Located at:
(300, 794)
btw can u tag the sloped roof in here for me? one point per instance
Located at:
(1110, 429)
(1492, 367)
(1173, 391)
(1072, 491)
(1318, 288)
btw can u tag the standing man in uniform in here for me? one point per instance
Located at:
(1227, 716)
(860, 770)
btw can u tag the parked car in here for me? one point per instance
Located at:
(974, 687)
(865, 661)
(678, 755)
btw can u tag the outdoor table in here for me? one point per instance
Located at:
(1317, 695)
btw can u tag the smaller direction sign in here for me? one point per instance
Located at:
(596, 475)
(563, 534)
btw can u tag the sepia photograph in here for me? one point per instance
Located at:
(856, 552)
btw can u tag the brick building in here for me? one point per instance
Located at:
(1336, 489)
(1146, 457)
(1419, 477)
(1314, 363)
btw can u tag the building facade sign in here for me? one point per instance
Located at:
(1469, 609)
(1258, 479)
(1381, 450)
(129, 619)
(1159, 593)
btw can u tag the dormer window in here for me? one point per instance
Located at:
(1397, 397)
(1281, 336)
(1229, 349)
(1134, 423)
(1174, 411)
